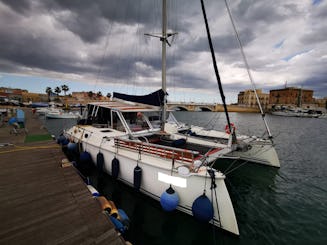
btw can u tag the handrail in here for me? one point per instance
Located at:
(166, 152)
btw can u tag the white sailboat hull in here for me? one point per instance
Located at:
(62, 115)
(257, 150)
(294, 114)
(154, 170)
(259, 153)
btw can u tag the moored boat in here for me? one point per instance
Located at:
(130, 138)
(127, 140)
(59, 114)
(249, 148)
(296, 112)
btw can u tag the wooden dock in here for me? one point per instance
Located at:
(42, 202)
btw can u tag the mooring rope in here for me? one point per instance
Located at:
(245, 162)
(237, 167)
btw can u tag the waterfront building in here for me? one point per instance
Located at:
(322, 103)
(247, 98)
(291, 96)
(12, 94)
(34, 97)
(85, 97)
(81, 96)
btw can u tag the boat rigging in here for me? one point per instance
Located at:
(230, 127)
(163, 159)
(248, 69)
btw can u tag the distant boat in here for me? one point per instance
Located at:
(59, 114)
(296, 112)
(39, 104)
(46, 110)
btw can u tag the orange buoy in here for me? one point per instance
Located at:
(104, 203)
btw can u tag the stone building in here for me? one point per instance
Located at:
(291, 96)
(84, 97)
(34, 97)
(247, 98)
(12, 93)
(322, 103)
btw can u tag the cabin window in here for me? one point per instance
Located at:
(98, 116)
(154, 118)
(136, 121)
(90, 109)
(117, 123)
(103, 116)
(87, 116)
(106, 131)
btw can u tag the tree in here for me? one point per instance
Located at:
(99, 94)
(64, 88)
(90, 94)
(48, 90)
(57, 91)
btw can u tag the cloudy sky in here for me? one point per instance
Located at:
(100, 45)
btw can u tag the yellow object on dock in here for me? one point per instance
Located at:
(109, 206)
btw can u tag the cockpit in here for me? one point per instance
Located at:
(125, 119)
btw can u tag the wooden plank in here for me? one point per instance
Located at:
(42, 203)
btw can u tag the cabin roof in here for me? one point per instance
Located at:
(126, 106)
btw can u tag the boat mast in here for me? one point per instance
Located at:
(216, 69)
(299, 102)
(163, 40)
(248, 70)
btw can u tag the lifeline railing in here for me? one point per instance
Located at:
(166, 152)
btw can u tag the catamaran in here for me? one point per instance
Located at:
(120, 137)
(131, 139)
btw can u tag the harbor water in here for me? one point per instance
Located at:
(272, 206)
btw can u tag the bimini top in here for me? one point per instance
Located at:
(125, 106)
(134, 103)
(155, 99)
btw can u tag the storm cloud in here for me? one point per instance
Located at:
(104, 40)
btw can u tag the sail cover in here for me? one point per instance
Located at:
(156, 98)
